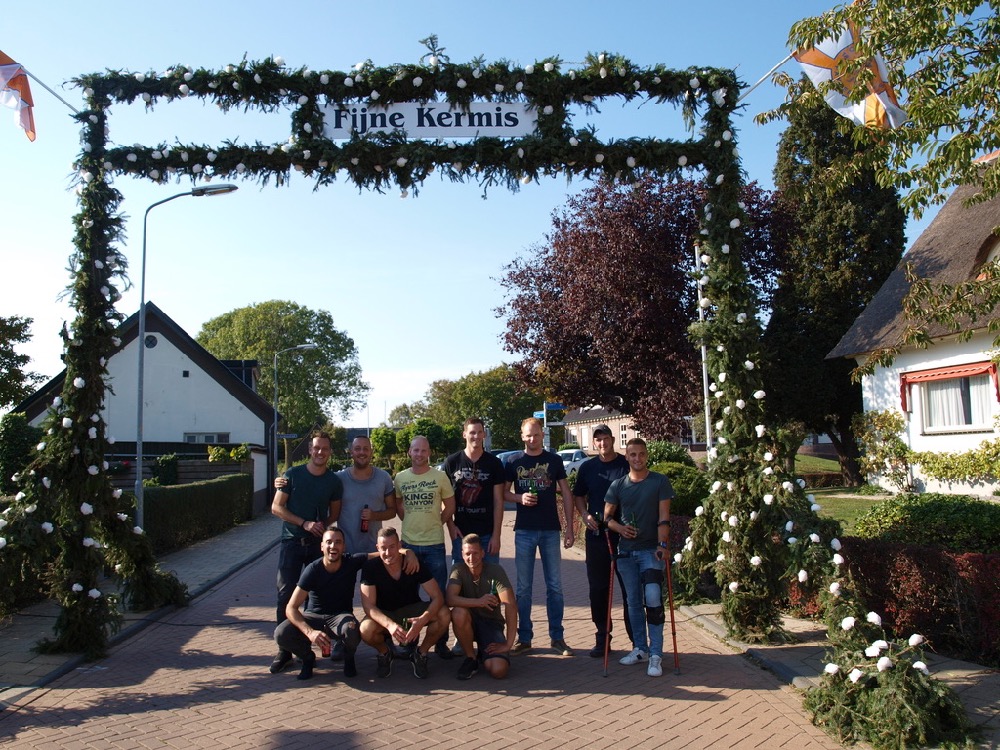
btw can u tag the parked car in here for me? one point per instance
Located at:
(570, 455)
(505, 455)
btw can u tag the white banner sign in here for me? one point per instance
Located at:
(431, 120)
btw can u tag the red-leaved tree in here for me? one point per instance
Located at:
(598, 313)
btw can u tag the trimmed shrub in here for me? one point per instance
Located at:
(690, 486)
(664, 450)
(817, 479)
(180, 515)
(953, 522)
(951, 599)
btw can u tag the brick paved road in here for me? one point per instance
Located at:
(199, 678)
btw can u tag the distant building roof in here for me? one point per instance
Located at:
(951, 250)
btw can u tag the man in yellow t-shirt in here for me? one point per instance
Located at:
(425, 501)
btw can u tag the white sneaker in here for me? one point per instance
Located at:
(637, 655)
(654, 669)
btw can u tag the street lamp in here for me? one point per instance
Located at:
(196, 192)
(300, 347)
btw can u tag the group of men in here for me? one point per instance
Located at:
(332, 530)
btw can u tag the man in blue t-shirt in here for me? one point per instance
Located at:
(593, 478)
(534, 478)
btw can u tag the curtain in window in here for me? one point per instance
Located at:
(960, 402)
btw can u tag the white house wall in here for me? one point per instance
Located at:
(880, 392)
(173, 404)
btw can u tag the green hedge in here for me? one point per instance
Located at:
(690, 486)
(957, 523)
(177, 516)
(817, 479)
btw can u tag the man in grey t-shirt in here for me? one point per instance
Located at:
(364, 485)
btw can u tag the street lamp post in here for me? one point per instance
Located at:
(300, 347)
(196, 192)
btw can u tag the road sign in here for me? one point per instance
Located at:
(287, 436)
(557, 424)
(554, 406)
(539, 415)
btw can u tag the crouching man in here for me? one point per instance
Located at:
(328, 583)
(476, 591)
(394, 610)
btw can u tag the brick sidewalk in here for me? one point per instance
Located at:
(198, 678)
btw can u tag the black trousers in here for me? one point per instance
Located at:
(598, 578)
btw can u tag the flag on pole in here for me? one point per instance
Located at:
(16, 94)
(825, 62)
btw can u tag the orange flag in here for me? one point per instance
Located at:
(825, 62)
(15, 93)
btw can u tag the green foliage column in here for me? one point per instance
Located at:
(66, 519)
(755, 528)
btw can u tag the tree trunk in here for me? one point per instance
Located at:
(847, 452)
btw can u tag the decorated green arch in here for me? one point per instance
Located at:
(67, 517)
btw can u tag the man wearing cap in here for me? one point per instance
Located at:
(593, 479)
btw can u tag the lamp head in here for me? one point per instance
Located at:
(214, 189)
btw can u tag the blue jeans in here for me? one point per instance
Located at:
(456, 550)
(642, 595)
(547, 543)
(431, 557)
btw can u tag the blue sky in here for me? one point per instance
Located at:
(411, 280)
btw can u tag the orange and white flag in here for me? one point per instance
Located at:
(15, 93)
(826, 61)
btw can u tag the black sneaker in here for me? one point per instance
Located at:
(350, 667)
(420, 665)
(598, 650)
(308, 662)
(337, 652)
(280, 661)
(442, 650)
(384, 666)
(469, 667)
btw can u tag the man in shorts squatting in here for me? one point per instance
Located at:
(394, 610)
(476, 591)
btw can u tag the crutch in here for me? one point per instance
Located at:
(611, 592)
(673, 625)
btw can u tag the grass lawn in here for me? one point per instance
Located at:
(844, 504)
(805, 464)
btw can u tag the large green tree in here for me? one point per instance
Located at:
(311, 382)
(943, 59)
(496, 396)
(847, 239)
(16, 383)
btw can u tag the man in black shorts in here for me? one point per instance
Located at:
(394, 610)
(476, 590)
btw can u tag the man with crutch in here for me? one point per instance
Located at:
(637, 508)
(593, 478)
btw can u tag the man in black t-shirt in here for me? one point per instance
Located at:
(537, 478)
(326, 587)
(394, 610)
(478, 479)
(593, 478)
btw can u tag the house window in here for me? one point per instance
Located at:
(206, 438)
(624, 432)
(957, 404)
(955, 398)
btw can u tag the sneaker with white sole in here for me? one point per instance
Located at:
(633, 657)
(654, 669)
